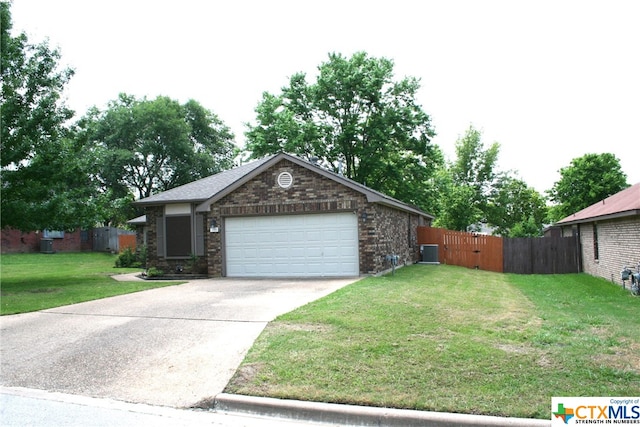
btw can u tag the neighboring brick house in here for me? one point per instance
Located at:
(16, 241)
(279, 216)
(609, 234)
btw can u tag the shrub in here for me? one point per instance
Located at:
(142, 255)
(128, 258)
(154, 272)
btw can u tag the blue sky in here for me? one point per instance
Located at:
(548, 80)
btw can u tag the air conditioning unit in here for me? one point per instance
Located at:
(429, 254)
(46, 246)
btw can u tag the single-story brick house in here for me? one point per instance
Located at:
(279, 216)
(609, 234)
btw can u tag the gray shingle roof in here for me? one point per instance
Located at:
(205, 188)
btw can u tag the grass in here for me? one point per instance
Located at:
(31, 282)
(446, 338)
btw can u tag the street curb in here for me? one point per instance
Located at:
(359, 415)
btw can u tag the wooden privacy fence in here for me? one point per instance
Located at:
(108, 239)
(464, 249)
(535, 255)
(127, 241)
(545, 255)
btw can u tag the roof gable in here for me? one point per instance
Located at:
(623, 203)
(208, 190)
(202, 189)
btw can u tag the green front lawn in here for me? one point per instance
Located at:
(31, 282)
(444, 338)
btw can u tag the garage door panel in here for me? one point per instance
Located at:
(292, 246)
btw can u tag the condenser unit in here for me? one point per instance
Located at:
(429, 254)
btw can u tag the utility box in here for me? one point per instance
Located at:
(429, 254)
(46, 246)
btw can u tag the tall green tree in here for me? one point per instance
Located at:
(147, 146)
(469, 182)
(358, 121)
(455, 212)
(475, 165)
(45, 179)
(515, 209)
(587, 180)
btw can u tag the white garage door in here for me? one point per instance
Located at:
(292, 246)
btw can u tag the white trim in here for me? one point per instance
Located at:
(177, 209)
(285, 179)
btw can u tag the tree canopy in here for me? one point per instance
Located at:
(472, 191)
(356, 120)
(514, 209)
(45, 183)
(146, 146)
(587, 180)
(467, 182)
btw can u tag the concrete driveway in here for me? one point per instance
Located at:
(172, 346)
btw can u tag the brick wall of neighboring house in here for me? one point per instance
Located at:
(15, 241)
(618, 246)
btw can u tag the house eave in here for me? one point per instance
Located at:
(617, 215)
(141, 220)
(167, 202)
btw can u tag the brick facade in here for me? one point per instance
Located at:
(382, 230)
(618, 246)
(15, 241)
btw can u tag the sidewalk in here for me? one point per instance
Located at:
(128, 277)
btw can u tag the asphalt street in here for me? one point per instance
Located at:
(28, 407)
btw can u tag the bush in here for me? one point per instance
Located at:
(142, 255)
(128, 259)
(154, 272)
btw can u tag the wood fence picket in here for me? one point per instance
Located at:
(535, 255)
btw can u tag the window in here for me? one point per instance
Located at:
(178, 236)
(180, 232)
(596, 254)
